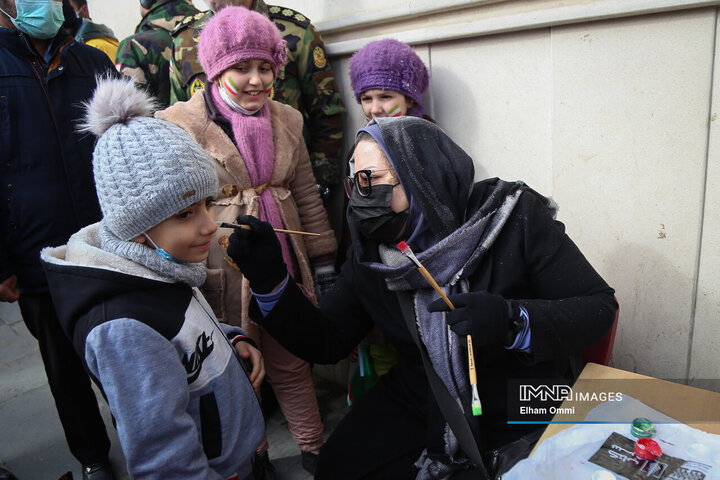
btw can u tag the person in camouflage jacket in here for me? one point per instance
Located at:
(145, 56)
(306, 83)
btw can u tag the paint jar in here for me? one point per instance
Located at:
(647, 449)
(603, 475)
(642, 428)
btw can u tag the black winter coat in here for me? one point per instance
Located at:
(45, 165)
(532, 261)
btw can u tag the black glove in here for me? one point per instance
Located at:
(324, 282)
(257, 254)
(484, 315)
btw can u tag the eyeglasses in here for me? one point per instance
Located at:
(363, 181)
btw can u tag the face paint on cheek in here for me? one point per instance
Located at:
(393, 113)
(268, 87)
(230, 86)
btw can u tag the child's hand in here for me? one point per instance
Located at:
(8, 290)
(257, 375)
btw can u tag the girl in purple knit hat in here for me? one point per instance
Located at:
(388, 79)
(264, 170)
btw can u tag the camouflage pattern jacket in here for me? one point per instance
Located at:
(306, 83)
(146, 54)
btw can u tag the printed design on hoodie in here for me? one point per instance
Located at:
(193, 363)
(200, 346)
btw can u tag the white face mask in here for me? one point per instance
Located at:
(233, 105)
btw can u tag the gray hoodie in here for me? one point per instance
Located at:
(182, 401)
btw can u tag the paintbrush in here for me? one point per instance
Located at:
(279, 230)
(476, 405)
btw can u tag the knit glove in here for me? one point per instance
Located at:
(324, 276)
(324, 281)
(484, 315)
(258, 254)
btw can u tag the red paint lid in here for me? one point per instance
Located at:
(647, 448)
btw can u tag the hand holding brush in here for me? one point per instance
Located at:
(443, 301)
(485, 316)
(257, 253)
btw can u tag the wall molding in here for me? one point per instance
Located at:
(510, 22)
(391, 13)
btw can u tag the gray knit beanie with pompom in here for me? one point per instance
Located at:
(146, 169)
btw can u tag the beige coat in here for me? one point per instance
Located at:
(292, 186)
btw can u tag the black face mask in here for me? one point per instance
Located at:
(373, 215)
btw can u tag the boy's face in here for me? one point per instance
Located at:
(378, 103)
(186, 235)
(248, 83)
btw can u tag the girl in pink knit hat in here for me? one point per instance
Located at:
(264, 170)
(388, 79)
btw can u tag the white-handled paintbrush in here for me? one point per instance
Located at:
(476, 405)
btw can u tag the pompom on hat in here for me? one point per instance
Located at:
(236, 34)
(390, 65)
(146, 169)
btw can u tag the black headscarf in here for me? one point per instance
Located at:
(436, 174)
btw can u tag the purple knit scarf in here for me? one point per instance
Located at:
(254, 140)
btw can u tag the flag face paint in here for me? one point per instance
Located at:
(268, 87)
(230, 86)
(393, 113)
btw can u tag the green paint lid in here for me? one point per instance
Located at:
(642, 428)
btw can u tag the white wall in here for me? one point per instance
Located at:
(606, 106)
(705, 346)
(610, 107)
(631, 105)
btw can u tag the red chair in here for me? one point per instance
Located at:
(601, 351)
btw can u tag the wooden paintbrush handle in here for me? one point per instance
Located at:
(279, 230)
(471, 362)
(437, 288)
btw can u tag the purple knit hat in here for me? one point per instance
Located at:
(236, 34)
(389, 65)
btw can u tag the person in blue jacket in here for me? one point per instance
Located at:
(48, 193)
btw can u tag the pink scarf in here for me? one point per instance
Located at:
(254, 140)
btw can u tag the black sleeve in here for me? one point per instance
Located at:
(324, 334)
(7, 267)
(573, 307)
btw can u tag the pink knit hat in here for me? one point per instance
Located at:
(236, 34)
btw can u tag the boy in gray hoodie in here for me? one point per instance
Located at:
(126, 294)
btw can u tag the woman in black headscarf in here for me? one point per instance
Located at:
(521, 288)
